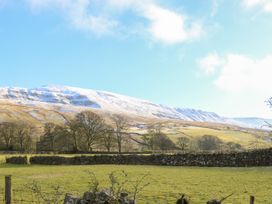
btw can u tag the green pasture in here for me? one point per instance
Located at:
(166, 183)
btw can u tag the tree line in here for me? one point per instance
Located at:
(16, 136)
(84, 132)
(88, 132)
(156, 140)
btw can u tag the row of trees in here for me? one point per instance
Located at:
(84, 133)
(155, 139)
(206, 143)
(16, 136)
(88, 131)
(160, 141)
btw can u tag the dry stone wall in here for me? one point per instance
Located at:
(239, 159)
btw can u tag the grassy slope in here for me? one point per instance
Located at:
(246, 139)
(34, 116)
(200, 184)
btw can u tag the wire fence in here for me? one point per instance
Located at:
(26, 197)
(28, 192)
(20, 196)
(31, 192)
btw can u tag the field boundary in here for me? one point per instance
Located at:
(239, 159)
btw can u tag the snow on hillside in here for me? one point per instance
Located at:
(115, 103)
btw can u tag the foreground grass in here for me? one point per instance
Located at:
(201, 184)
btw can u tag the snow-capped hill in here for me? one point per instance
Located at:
(102, 100)
(70, 97)
(47, 95)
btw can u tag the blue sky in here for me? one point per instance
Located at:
(214, 55)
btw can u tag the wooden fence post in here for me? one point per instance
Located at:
(252, 199)
(8, 189)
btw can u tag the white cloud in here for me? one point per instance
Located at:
(209, 64)
(123, 4)
(241, 73)
(170, 27)
(246, 82)
(266, 5)
(163, 24)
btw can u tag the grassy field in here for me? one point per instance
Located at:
(201, 184)
(247, 138)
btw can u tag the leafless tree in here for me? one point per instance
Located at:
(268, 124)
(155, 139)
(120, 128)
(7, 134)
(108, 140)
(73, 131)
(161, 141)
(209, 143)
(92, 127)
(50, 135)
(183, 143)
(24, 136)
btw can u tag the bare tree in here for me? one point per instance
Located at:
(269, 102)
(209, 143)
(161, 141)
(7, 134)
(24, 136)
(73, 131)
(268, 124)
(120, 128)
(108, 139)
(183, 143)
(155, 139)
(50, 135)
(92, 127)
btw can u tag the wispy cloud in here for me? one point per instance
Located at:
(159, 23)
(266, 5)
(78, 14)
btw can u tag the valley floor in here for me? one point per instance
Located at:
(166, 183)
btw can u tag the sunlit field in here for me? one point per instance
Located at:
(166, 183)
